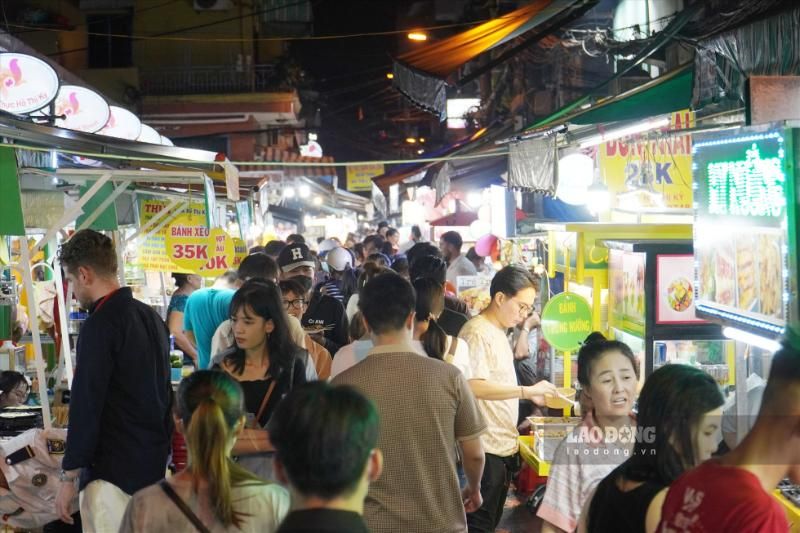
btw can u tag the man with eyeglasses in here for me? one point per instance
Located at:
(494, 383)
(295, 304)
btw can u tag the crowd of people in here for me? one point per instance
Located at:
(343, 387)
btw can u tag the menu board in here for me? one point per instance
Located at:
(626, 290)
(675, 296)
(741, 221)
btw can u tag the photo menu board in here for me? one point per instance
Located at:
(742, 183)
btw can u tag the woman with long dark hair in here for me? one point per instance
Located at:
(437, 343)
(266, 363)
(678, 427)
(213, 493)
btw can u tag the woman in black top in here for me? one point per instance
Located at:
(678, 427)
(266, 364)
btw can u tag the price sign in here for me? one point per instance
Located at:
(221, 256)
(187, 242)
(566, 321)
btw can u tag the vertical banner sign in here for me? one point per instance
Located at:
(666, 162)
(359, 177)
(239, 252)
(107, 221)
(11, 219)
(211, 202)
(244, 216)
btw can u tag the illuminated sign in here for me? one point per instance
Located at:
(80, 109)
(26, 83)
(122, 124)
(742, 184)
(166, 141)
(149, 135)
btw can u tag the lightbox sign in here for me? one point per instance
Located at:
(26, 83)
(742, 183)
(122, 124)
(149, 135)
(80, 109)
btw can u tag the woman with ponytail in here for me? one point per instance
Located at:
(437, 343)
(213, 493)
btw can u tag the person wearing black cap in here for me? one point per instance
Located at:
(324, 312)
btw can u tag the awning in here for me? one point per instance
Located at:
(665, 94)
(267, 153)
(421, 75)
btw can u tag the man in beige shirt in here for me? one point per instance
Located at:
(426, 411)
(494, 383)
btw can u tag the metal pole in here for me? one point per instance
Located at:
(66, 353)
(33, 308)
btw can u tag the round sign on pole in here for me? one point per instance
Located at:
(26, 83)
(187, 242)
(566, 321)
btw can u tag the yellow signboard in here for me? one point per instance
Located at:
(666, 162)
(150, 253)
(359, 177)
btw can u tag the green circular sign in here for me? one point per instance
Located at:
(566, 321)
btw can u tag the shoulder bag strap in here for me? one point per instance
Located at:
(265, 401)
(183, 507)
(453, 345)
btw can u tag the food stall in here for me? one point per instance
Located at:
(660, 325)
(745, 254)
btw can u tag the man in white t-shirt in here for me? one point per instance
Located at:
(457, 265)
(494, 383)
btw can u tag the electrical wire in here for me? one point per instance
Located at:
(165, 37)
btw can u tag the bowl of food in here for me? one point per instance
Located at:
(680, 294)
(564, 400)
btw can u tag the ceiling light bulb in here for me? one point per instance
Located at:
(305, 191)
(318, 200)
(288, 192)
(417, 36)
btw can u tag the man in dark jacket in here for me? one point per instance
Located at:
(325, 313)
(119, 412)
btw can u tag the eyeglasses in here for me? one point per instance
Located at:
(297, 304)
(523, 309)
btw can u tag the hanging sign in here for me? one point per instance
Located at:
(122, 124)
(149, 135)
(12, 221)
(150, 252)
(26, 83)
(566, 321)
(359, 177)
(244, 218)
(212, 220)
(192, 246)
(666, 162)
(81, 109)
(239, 252)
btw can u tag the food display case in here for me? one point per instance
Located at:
(746, 257)
(651, 308)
